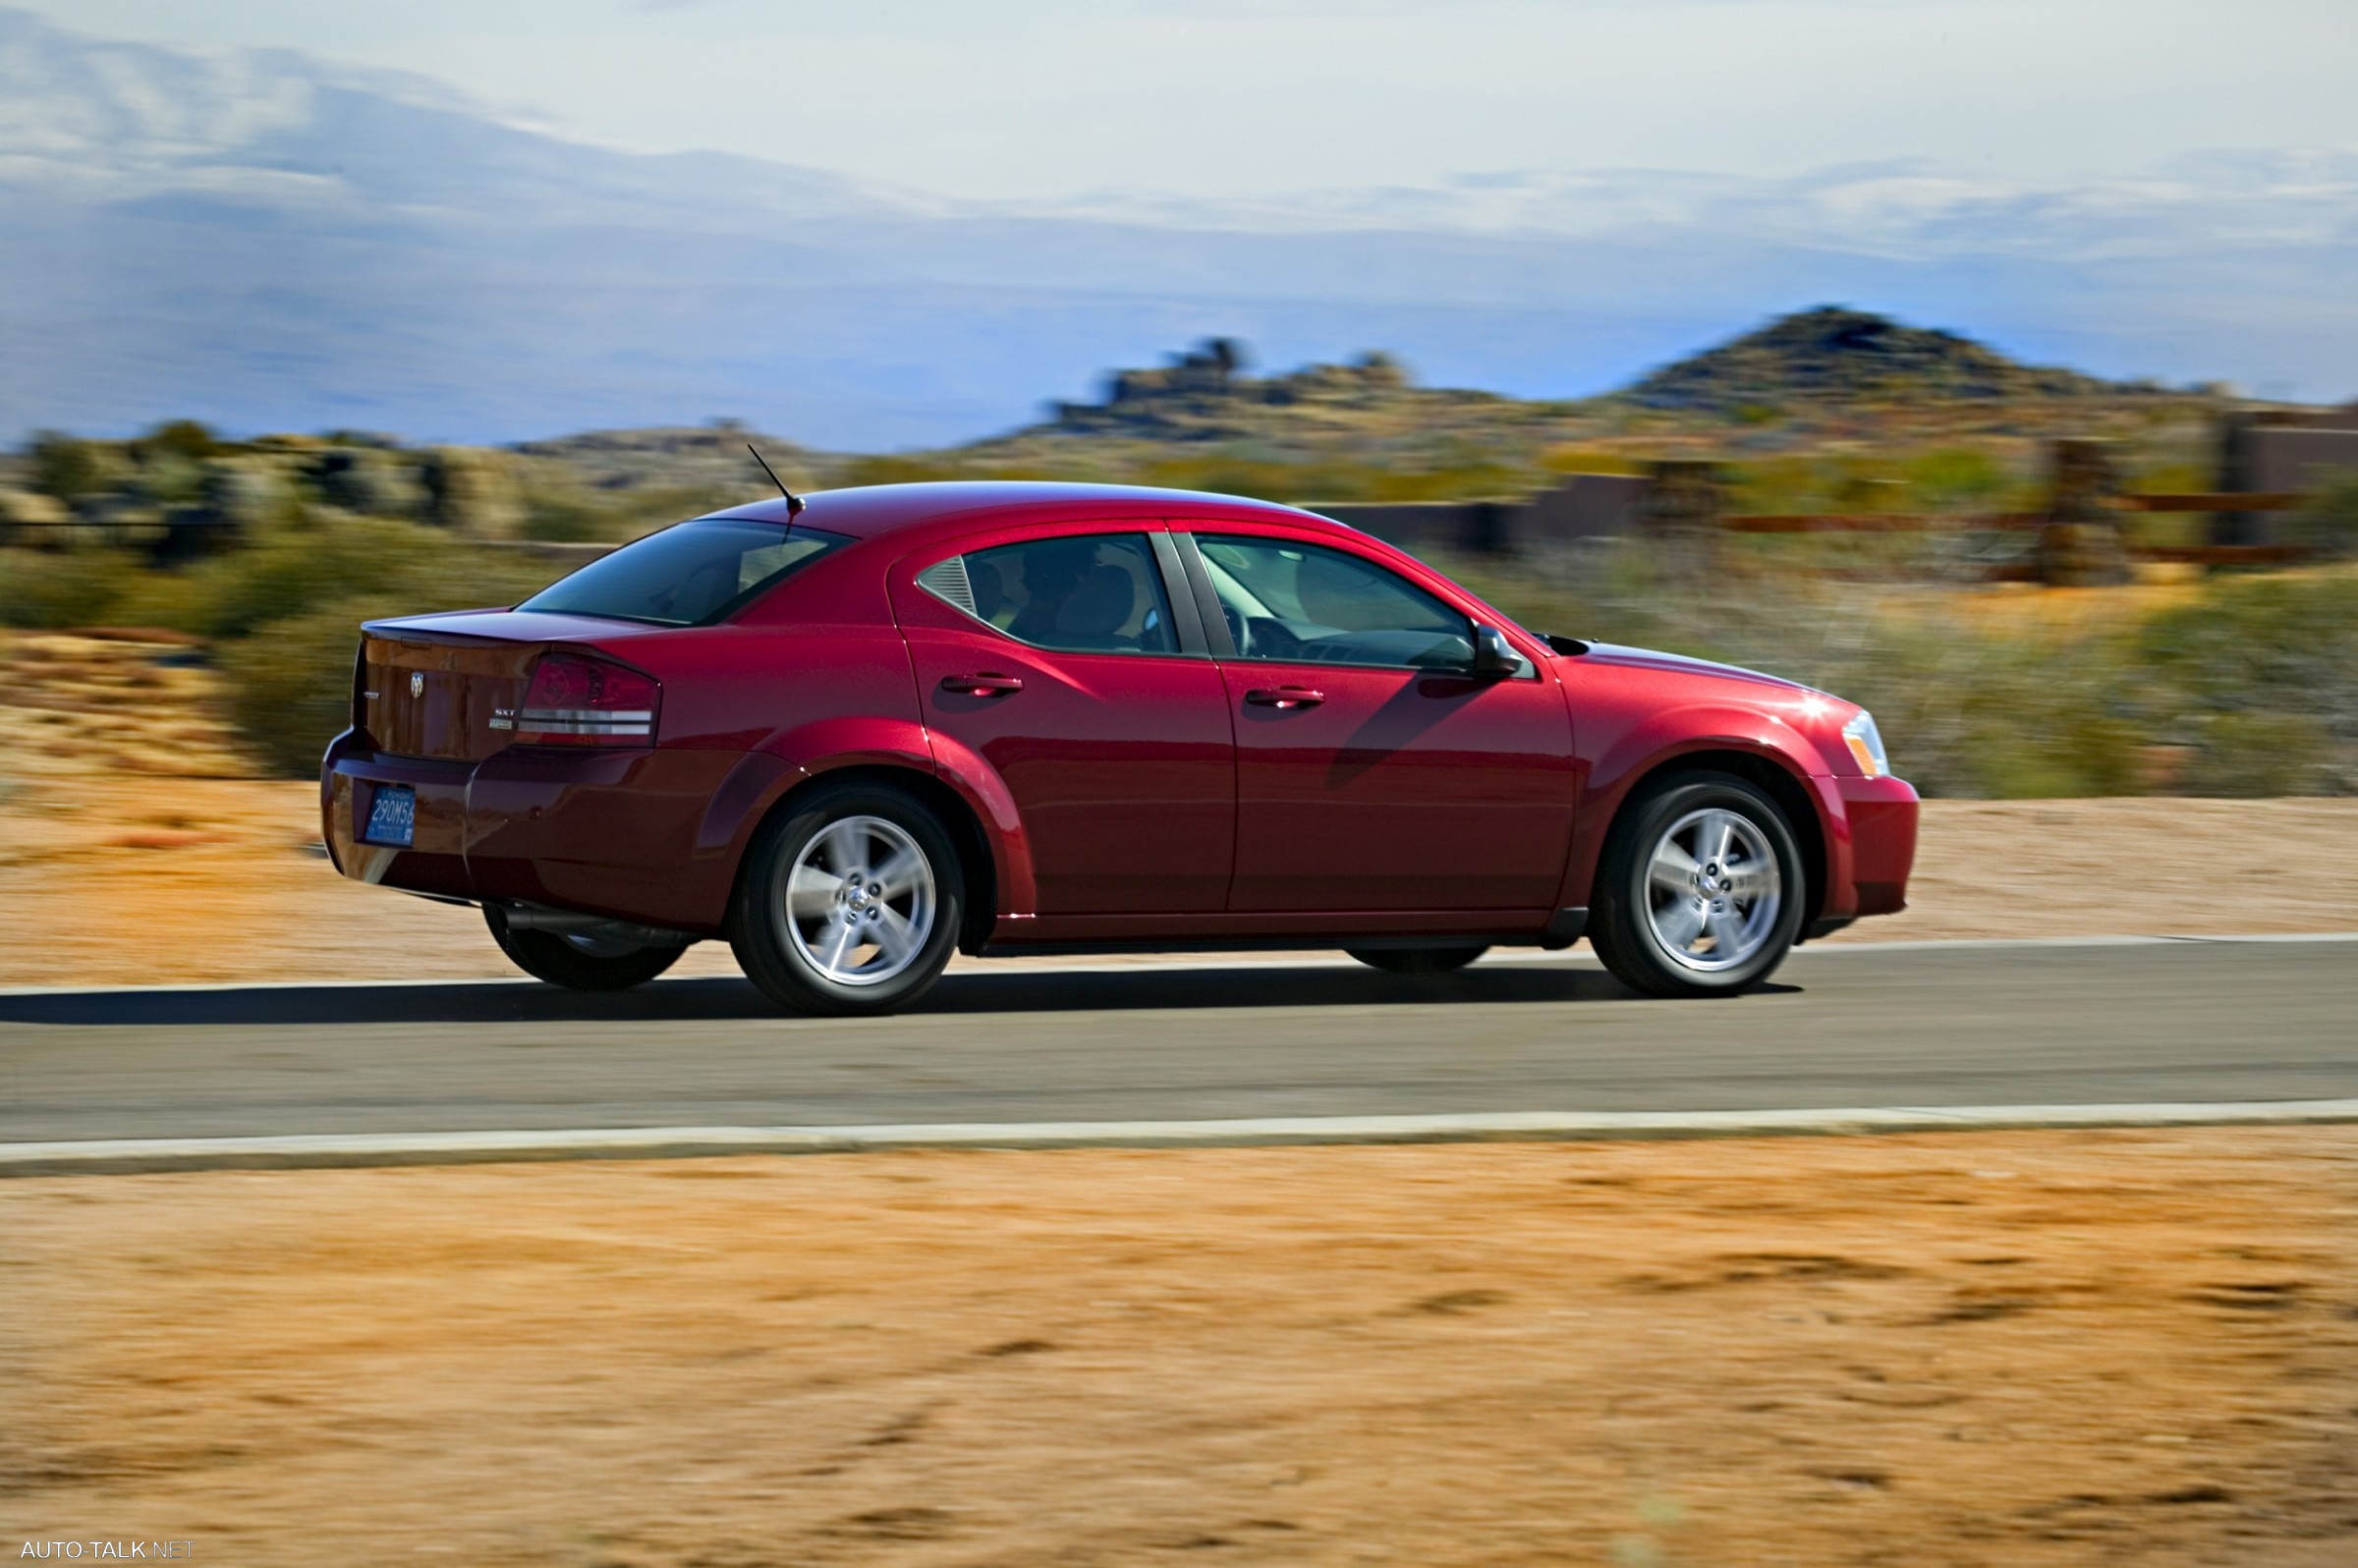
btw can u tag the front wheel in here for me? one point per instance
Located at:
(1417, 960)
(579, 960)
(850, 903)
(1701, 890)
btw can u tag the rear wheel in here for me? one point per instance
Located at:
(1701, 889)
(581, 961)
(849, 901)
(1416, 960)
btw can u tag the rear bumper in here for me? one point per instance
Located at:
(622, 833)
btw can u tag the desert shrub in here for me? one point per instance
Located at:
(67, 469)
(1966, 712)
(1972, 715)
(285, 611)
(574, 514)
(287, 572)
(177, 600)
(290, 676)
(1955, 479)
(291, 610)
(2328, 523)
(189, 440)
(563, 517)
(2259, 753)
(290, 683)
(1460, 476)
(2260, 676)
(368, 481)
(894, 468)
(66, 588)
(1572, 458)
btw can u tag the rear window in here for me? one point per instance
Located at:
(691, 574)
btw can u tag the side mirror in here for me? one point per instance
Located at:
(1494, 657)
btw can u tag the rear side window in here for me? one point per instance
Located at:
(691, 575)
(1086, 594)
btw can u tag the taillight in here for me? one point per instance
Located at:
(359, 687)
(581, 701)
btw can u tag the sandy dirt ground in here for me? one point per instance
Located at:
(132, 852)
(2003, 1348)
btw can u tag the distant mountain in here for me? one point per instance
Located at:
(266, 241)
(1833, 355)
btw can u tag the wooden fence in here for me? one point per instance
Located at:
(2082, 516)
(1923, 523)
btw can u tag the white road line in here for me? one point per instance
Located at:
(1242, 959)
(124, 1156)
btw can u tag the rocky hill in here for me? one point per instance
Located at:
(1205, 395)
(1837, 356)
(1359, 430)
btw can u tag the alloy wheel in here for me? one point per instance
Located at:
(860, 901)
(1713, 889)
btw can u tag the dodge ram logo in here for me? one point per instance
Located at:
(416, 683)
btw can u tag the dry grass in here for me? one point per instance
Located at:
(131, 850)
(73, 705)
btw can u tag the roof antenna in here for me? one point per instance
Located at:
(794, 502)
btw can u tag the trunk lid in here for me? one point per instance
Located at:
(431, 684)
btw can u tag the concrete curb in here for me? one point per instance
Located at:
(119, 1157)
(1241, 958)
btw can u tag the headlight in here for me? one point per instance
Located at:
(1866, 742)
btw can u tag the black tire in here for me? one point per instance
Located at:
(763, 935)
(578, 966)
(1417, 960)
(1622, 927)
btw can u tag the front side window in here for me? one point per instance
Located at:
(691, 575)
(1084, 593)
(1306, 604)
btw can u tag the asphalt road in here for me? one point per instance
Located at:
(1963, 1024)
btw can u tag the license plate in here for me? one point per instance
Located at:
(392, 816)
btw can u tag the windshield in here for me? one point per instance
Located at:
(691, 574)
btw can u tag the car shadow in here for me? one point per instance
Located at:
(1156, 989)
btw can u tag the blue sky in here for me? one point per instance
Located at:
(908, 222)
(1048, 100)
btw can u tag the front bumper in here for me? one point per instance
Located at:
(622, 833)
(1870, 848)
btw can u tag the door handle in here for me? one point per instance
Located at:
(1286, 697)
(983, 685)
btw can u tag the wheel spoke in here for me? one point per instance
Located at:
(901, 871)
(896, 937)
(1679, 921)
(847, 850)
(1727, 934)
(1751, 878)
(1711, 836)
(842, 938)
(1674, 869)
(811, 892)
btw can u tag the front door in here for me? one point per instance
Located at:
(1374, 772)
(1055, 660)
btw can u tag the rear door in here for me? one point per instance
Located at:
(1374, 772)
(1056, 655)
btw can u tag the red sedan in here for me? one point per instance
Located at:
(853, 735)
